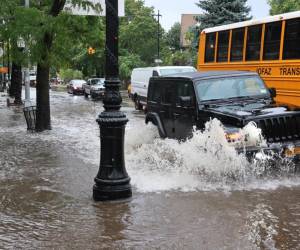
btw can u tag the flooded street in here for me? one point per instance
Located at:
(191, 195)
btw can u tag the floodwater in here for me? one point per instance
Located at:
(198, 194)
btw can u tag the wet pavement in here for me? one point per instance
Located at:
(184, 197)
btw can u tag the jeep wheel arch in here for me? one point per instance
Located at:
(154, 118)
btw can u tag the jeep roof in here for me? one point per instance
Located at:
(206, 74)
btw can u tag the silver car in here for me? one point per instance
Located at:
(94, 87)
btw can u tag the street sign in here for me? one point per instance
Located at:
(79, 11)
(158, 61)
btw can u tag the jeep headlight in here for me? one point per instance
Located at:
(249, 136)
(233, 135)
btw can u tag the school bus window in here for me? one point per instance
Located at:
(292, 40)
(272, 41)
(253, 43)
(223, 44)
(210, 47)
(237, 45)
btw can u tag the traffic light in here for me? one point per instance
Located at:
(91, 51)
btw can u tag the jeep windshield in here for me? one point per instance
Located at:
(236, 87)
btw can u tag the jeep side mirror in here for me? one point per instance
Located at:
(273, 92)
(185, 101)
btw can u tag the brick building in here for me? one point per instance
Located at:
(187, 21)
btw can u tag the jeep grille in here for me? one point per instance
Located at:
(280, 129)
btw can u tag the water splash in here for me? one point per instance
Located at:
(205, 162)
(263, 227)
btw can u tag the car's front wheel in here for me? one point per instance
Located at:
(137, 104)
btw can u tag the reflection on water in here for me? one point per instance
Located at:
(198, 194)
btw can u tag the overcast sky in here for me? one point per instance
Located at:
(171, 10)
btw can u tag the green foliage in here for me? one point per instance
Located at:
(173, 36)
(69, 74)
(283, 6)
(138, 32)
(220, 12)
(71, 35)
(182, 58)
(127, 64)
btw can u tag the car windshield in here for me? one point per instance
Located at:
(171, 71)
(230, 87)
(97, 81)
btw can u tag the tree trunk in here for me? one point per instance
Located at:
(43, 121)
(43, 118)
(18, 85)
(14, 79)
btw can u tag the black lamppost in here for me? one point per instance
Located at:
(112, 181)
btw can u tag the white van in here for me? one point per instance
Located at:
(140, 80)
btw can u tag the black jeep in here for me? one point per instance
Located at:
(177, 103)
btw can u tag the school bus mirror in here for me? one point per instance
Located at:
(273, 92)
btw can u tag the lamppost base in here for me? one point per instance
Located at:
(112, 192)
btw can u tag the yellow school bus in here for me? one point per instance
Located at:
(269, 46)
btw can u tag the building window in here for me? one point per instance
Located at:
(292, 40)
(237, 45)
(210, 47)
(223, 44)
(253, 43)
(272, 41)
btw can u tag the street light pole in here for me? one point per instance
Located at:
(112, 181)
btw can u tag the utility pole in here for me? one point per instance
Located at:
(158, 15)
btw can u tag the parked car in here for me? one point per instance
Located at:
(55, 81)
(178, 103)
(94, 87)
(140, 81)
(75, 87)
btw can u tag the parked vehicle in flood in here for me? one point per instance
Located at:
(75, 87)
(140, 80)
(94, 87)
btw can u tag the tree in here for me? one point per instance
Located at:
(49, 35)
(283, 6)
(127, 64)
(138, 32)
(220, 12)
(173, 36)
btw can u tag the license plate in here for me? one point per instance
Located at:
(292, 152)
